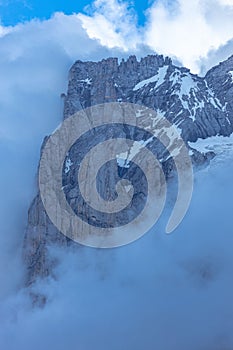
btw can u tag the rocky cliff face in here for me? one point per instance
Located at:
(199, 106)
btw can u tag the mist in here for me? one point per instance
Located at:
(163, 291)
(34, 63)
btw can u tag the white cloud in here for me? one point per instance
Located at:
(34, 63)
(226, 2)
(113, 296)
(184, 34)
(113, 24)
(187, 30)
(215, 56)
(161, 292)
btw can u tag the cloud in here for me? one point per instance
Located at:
(226, 2)
(186, 30)
(162, 291)
(215, 56)
(34, 63)
(113, 23)
(152, 291)
(189, 29)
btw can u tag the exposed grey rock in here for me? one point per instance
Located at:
(220, 80)
(200, 107)
(40, 233)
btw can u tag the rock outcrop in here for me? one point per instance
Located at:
(200, 107)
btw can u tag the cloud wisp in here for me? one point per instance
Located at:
(186, 30)
(161, 290)
(122, 297)
(34, 63)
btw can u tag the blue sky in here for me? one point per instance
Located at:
(15, 11)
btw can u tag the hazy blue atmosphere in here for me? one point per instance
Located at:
(174, 292)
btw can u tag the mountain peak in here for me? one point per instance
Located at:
(193, 103)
